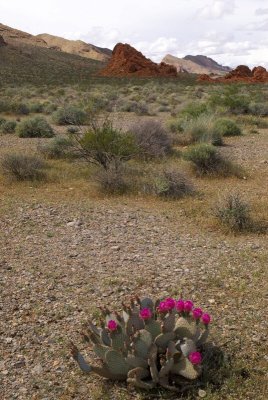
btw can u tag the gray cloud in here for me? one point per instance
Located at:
(261, 11)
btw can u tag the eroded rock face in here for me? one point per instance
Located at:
(127, 61)
(2, 42)
(242, 73)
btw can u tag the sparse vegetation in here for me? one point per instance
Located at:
(8, 126)
(226, 127)
(152, 139)
(23, 167)
(172, 183)
(69, 115)
(58, 147)
(34, 127)
(208, 161)
(234, 213)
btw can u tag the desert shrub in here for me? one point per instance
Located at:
(226, 127)
(171, 183)
(194, 110)
(139, 108)
(2, 120)
(34, 127)
(8, 126)
(36, 107)
(19, 108)
(234, 213)
(231, 99)
(152, 139)
(104, 145)
(259, 109)
(23, 167)
(207, 160)
(112, 180)
(69, 115)
(58, 147)
(175, 125)
(164, 108)
(49, 108)
(197, 129)
(72, 129)
(216, 139)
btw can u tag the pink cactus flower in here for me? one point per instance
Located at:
(188, 306)
(180, 305)
(170, 303)
(112, 325)
(162, 308)
(197, 313)
(145, 313)
(206, 318)
(195, 357)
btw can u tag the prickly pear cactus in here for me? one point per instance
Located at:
(150, 344)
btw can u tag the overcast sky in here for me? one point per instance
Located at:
(230, 31)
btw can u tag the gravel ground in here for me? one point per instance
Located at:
(60, 260)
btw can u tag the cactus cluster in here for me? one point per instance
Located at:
(149, 344)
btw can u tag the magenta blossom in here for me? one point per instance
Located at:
(188, 305)
(170, 303)
(206, 318)
(146, 313)
(112, 325)
(163, 307)
(195, 357)
(197, 313)
(180, 305)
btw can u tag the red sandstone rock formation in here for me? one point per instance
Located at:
(240, 74)
(127, 61)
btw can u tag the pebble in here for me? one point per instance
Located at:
(202, 393)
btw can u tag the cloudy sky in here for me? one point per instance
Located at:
(230, 31)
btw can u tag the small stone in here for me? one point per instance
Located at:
(211, 301)
(37, 370)
(202, 393)
(115, 248)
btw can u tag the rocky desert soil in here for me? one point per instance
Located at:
(63, 254)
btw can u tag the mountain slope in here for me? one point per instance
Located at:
(77, 47)
(207, 62)
(22, 63)
(196, 65)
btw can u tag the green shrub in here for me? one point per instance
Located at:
(34, 127)
(152, 139)
(58, 147)
(234, 213)
(19, 108)
(207, 160)
(36, 107)
(226, 127)
(194, 110)
(8, 126)
(69, 115)
(23, 167)
(104, 145)
(231, 99)
(171, 183)
(139, 108)
(175, 125)
(259, 109)
(2, 120)
(49, 108)
(197, 129)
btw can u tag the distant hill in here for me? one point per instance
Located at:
(207, 62)
(196, 65)
(77, 47)
(26, 58)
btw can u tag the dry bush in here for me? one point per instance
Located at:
(152, 139)
(23, 167)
